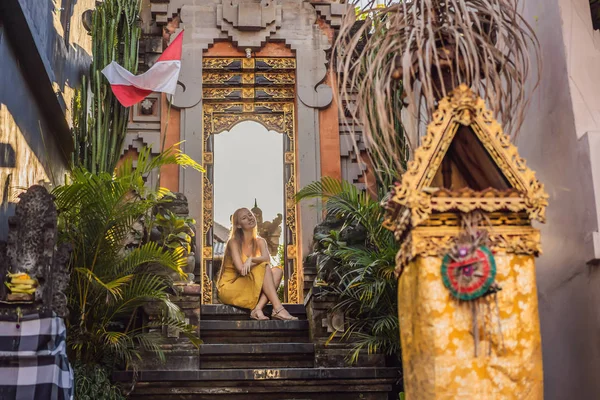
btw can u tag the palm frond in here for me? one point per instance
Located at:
(115, 276)
(359, 274)
(418, 51)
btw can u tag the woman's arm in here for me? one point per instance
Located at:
(264, 253)
(236, 256)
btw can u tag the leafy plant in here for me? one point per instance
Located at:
(111, 279)
(176, 232)
(99, 133)
(92, 383)
(361, 271)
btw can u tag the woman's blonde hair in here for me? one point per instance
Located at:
(236, 235)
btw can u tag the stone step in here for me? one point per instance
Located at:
(226, 312)
(265, 384)
(257, 355)
(250, 331)
(186, 356)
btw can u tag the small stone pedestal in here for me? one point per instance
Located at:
(180, 353)
(322, 323)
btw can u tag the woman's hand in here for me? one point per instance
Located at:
(246, 267)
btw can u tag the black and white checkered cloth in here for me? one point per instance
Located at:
(33, 360)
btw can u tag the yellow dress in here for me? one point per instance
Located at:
(237, 290)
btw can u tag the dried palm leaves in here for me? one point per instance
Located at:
(424, 48)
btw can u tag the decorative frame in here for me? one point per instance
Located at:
(221, 111)
(412, 201)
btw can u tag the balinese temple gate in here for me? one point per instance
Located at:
(467, 293)
(265, 61)
(251, 60)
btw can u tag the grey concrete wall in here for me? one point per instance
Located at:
(568, 287)
(28, 151)
(39, 73)
(64, 61)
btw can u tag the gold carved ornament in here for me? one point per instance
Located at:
(279, 93)
(462, 107)
(207, 205)
(207, 289)
(290, 205)
(437, 241)
(278, 78)
(293, 288)
(278, 63)
(219, 93)
(224, 122)
(218, 78)
(218, 63)
(219, 117)
(212, 63)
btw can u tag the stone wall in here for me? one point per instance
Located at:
(65, 58)
(559, 140)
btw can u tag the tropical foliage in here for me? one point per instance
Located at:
(115, 270)
(175, 231)
(93, 383)
(360, 274)
(431, 46)
(100, 121)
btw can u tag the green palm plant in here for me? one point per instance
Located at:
(112, 279)
(175, 231)
(360, 274)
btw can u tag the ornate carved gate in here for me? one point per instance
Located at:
(249, 89)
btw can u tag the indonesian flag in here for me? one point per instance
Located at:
(130, 89)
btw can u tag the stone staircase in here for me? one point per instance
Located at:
(246, 359)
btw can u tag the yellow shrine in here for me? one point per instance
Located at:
(467, 296)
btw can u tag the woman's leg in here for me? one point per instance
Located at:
(277, 276)
(271, 293)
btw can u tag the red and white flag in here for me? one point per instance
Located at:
(130, 89)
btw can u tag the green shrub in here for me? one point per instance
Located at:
(92, 382)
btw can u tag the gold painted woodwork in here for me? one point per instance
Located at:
(221, 114)
(221, 63)
(220, 78)
(223, 94)
(412, 201)
(436, 240)
(438, 346)
(439, 354)
(207, 204)
(207, 289)
(279, 78)
(279, 63)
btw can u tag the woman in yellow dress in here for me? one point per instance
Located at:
(247, 279)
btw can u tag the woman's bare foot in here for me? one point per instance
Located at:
(258, 315)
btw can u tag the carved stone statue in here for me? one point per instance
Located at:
(32, 249)
(268, 230)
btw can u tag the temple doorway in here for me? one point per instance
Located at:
(248, 173)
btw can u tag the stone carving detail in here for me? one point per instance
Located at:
(333, 13)
(32, 249)
(291, 21)
(262, 18)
